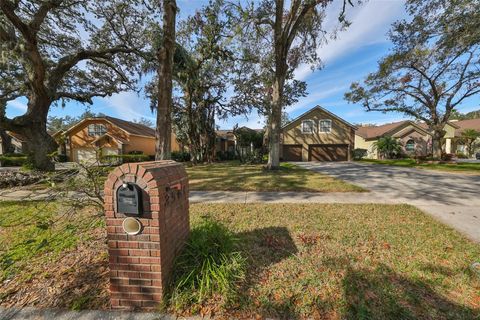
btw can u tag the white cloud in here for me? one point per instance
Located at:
(129, 106)
(370, 24)
(18, 105)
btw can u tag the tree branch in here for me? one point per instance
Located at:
(66, 63)
(41, 14)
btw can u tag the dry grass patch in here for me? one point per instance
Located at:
(232, 176)
(303, 261)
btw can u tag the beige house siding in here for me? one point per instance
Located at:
(361, 143)
(341, 133)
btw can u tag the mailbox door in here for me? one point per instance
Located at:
(129, 199)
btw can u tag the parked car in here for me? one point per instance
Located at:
(477, 156)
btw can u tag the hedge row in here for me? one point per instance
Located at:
(12, 160)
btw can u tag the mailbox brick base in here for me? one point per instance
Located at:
(141, 265)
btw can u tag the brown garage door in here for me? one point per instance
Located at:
(328, 152)
(292, 152)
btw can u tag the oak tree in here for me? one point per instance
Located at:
(434, 65)
(53, 51)
(293, 35)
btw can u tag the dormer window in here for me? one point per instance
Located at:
(307, 126)
(96, 130)
(325, 125)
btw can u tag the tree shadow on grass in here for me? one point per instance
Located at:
(263, 248)
(385, 294)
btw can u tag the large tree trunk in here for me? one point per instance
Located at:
(275, 121)
(40, 146)
(437, 139)
(165, 74)
(33, 126)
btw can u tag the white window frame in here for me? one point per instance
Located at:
(303, 127)
(320, 126)
(96, 132)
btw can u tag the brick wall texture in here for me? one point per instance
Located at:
(141, 265)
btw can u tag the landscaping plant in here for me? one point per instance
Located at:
(388, 147)
(210, 267)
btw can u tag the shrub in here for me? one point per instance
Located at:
(180, 156)
(13, 160)
(209, 267)
(123, 158)
(225, 155)
(388, 147)
(359, 154)
(447, 156)
(461, 155)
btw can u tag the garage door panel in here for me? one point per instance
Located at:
(328, 152)
(292, 152)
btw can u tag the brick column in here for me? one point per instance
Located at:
(141, 265)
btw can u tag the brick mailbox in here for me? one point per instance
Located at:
(146, 209)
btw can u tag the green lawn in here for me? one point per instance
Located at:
(328, 261)
(468, 168)
(232, 176)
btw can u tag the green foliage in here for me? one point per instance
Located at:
(456, 115)
(210, 267)
(470, 136)
(13, 160)
(461, 155)
(123, 158)
(30, 229)
(180, 156)
(249, 147)
(359, 154)
(388, 147)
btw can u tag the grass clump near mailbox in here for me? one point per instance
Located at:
(210, 267)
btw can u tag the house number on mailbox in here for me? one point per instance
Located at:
(129, 199)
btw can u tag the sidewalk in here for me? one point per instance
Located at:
(46, 314)
(465, 218)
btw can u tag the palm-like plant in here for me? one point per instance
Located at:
(388, 147)
(469, 136)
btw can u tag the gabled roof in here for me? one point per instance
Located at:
(17, 136)
(127, 126)
(373, 132)
(318, 108)
(132, 127)
(117, 139)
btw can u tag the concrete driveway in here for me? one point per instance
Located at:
(450, 197)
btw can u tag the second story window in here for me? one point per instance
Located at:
(95, 130)
(307, 126)
(326, 125)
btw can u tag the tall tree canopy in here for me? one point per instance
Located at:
(288, 37)
(434, 65)
(59, 50)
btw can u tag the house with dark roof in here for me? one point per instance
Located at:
(415, 138)
(89, 138)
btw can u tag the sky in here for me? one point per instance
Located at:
(348, 58)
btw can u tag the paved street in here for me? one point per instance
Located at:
(452, 198)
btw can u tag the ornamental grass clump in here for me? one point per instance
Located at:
(210, 267)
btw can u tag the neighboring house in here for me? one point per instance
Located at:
(415, 138)
(457, 144)
(317, 135)
(91, 137)
(225, 141)
(17, 142)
